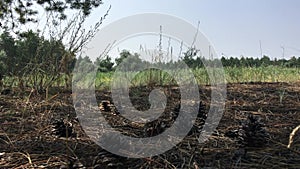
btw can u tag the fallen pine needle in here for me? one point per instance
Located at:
(292, 136)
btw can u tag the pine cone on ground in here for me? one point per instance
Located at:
(107, 106)
(251, 133)
(255, 134)
(61, 128)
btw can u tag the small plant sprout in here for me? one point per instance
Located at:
(281, 95)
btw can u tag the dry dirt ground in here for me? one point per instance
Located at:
(33, 132)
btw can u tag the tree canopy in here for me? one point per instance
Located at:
(13, 12)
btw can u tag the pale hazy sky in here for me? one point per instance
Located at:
(234, 27)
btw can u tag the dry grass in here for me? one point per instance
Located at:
(26, 140)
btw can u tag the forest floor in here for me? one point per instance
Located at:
(28, 139)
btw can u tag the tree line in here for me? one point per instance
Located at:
(193, 61)
(27, 58)
(31, 58)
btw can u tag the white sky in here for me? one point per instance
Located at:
(234, 27)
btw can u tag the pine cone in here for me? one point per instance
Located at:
(62, 128)
(255, 135)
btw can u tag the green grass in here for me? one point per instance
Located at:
(262, 74)
(162, 78)
(232, 75)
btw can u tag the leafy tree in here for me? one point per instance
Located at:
(123, 55)
(292, 62)
(27, 51)
(242, 62)
(132, 62)
(105, 65)
(26, 11)
(250, 62)
(30, 54)
(265, 60)
(8, 46)
(84, 64)
(3, 67)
